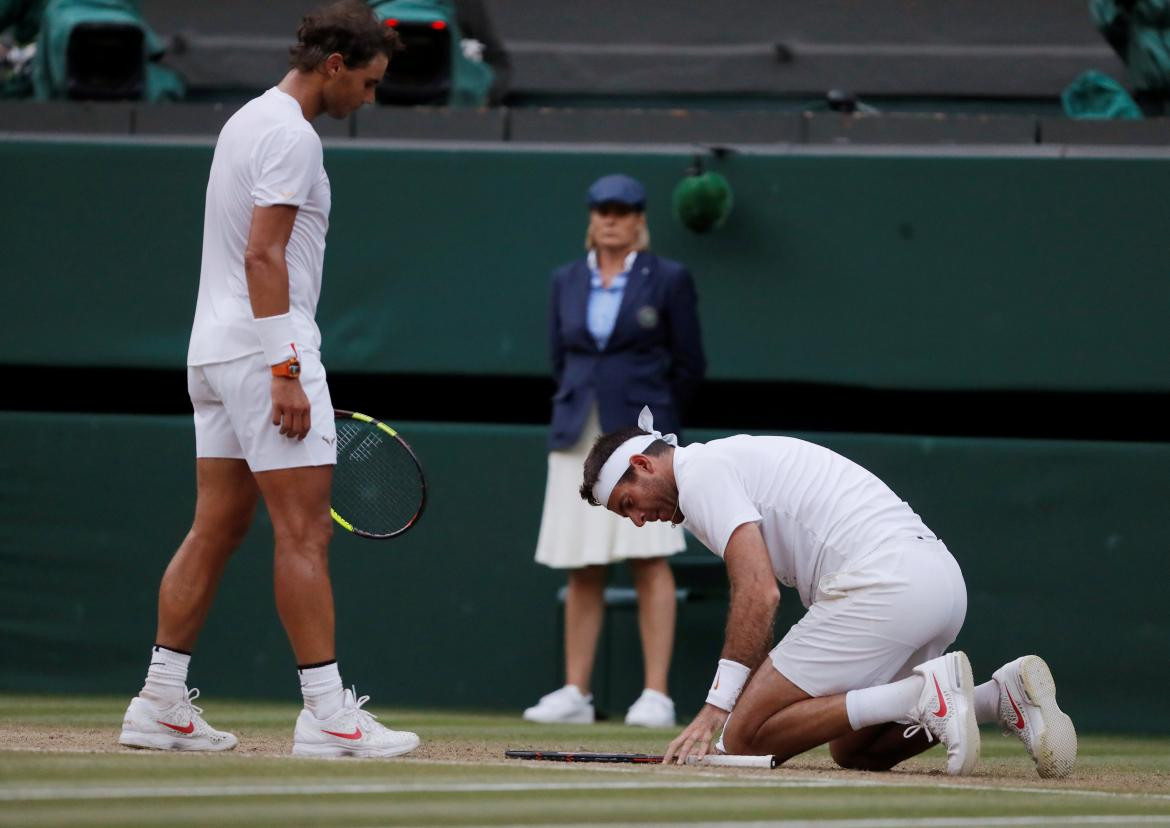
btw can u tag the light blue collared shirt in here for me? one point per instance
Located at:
(604, 302)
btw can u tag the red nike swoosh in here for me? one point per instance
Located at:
(188, 730)
(357, 734)
(1020, 724)
(942, 703)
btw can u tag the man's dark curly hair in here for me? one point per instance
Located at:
(348, 27)
(603, 447)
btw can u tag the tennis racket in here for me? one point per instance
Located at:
(711, 760)
(378, 486)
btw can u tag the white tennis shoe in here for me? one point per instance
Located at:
(178, 726)
(652, 709)
(350, 731)
(946, 710)
(565, 706)
(1027, 709)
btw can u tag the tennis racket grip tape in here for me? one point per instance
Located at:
(726, 760)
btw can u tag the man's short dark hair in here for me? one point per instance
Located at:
(603, 447)
(348, 27)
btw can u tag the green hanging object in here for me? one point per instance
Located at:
(702, 201)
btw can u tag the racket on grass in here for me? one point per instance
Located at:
(710, 760)
(379, 490)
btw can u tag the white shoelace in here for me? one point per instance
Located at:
(186, 706)
(364, 716)
(913, 729)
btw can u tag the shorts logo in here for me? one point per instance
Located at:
(328, 440)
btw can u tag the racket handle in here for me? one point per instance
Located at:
(723, 760)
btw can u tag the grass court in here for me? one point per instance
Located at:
(61, 766)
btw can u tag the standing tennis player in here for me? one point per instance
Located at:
(885, 600)
(263, 417)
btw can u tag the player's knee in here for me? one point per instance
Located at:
(737, 740)
(307, 535)
(220, 537)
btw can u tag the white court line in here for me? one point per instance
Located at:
(705, 778)
(175, 791)
(16, 794)
(924, 822)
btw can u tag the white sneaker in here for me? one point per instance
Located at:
(350, 731)
(1027, 708)
(564, 706)
(652, 709)
(175, 727)
(946, 710)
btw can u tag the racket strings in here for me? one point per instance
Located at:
(377, 485)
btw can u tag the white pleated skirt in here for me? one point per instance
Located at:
(574, 534)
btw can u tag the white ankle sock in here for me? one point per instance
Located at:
(166, 678)
(321, 686)
(884, 703)
(987, 702)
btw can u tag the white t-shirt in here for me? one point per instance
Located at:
(815, 508)
(267, 154)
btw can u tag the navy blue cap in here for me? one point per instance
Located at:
(617, 189)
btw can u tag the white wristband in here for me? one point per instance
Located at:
(728, 684)
(277, 338)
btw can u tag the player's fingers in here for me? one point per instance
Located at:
(275, 415)
(685, 750)
(295, 419)
(672, 748)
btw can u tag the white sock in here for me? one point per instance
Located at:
(321, 686)
(987, 702)
(166, 678)
(884, 703)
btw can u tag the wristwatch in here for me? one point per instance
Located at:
(290, 368)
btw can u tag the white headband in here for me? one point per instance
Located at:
(619, 461)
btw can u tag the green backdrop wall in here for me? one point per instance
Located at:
(1061, 544)
(900, 272)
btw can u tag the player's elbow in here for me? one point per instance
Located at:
(261, 259)
(769, 595)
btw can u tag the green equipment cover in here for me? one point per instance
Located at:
(469, 81)
(1139, 31)
(62, 26)
(1096, 95)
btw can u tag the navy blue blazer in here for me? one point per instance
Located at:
(654, 356)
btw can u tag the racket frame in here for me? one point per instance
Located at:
(342, 414)
(710, 760)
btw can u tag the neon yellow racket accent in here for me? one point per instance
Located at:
(345, 524)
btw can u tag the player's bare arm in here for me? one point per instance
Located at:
(754, 600)
(267, 273)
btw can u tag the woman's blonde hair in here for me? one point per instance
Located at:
(642, 243)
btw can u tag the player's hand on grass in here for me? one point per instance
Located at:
(290, 407)
(696, 739)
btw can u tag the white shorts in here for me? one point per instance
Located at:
(233, 414)
(873, 623)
